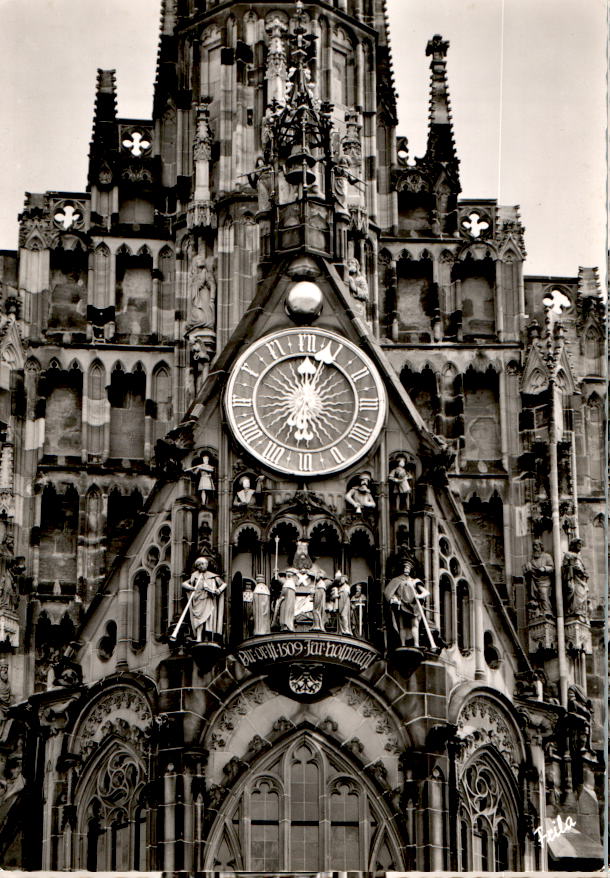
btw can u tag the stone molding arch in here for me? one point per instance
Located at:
(254, 718)
(271, 768)
(486, 718)
(120, 710)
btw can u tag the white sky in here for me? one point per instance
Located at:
(527, 80)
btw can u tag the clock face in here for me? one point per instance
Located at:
(305, 402)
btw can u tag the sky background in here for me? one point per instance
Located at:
(527, 81)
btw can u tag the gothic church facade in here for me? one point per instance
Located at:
(302, 501)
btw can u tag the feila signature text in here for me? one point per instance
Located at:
(558, 827)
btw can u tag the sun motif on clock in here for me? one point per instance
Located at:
(305, 401)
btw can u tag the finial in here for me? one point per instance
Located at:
(437, 46)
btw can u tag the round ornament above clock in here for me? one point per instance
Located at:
(305, 402)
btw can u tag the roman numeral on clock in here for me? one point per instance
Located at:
(273, 453)
(275, 349)
(250, 430)
(368, 405)
(339, 458)
(361, 373)
(305, 462)
(241, 402)
(359, 433)
(307, 343)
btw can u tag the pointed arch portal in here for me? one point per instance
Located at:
(304, 807)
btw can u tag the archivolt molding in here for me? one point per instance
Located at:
(255, 717)
(121, 712)
(483, 722)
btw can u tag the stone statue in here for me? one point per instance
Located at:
(207, 604)
(574, 577)
(286, 603)
(403, 594)
(400, 480)
(344, 609)
(202, 287)
(245, 496)
(319, 602)
(580, 711)
(539, 574)
(262, 606)
(358, 607)
(248, 608)
(5, 690)
(357, 285)
(262, 179)
(301, 560)
(206, 483)
(360, 496)
(341, 177)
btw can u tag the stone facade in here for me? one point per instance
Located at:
(268, 357)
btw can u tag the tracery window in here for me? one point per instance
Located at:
(304, 808)
(487, 820)
(114, 829)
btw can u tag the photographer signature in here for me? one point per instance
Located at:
(558, 827)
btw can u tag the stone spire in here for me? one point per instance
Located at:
(441, 146)
(104, 136)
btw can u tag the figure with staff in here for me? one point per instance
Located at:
(205, 603)
(404, 595)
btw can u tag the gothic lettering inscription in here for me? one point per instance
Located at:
(355, 655)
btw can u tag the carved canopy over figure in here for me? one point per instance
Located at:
(539, 576)
(207, 603)
(575, 577)
(404, 595)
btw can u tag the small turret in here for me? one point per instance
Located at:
(104, 139)
(441, 146)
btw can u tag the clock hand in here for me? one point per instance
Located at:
(324, 357)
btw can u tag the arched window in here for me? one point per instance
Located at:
(162, 580)
(304, 808)
(592, 345)
(488, 818)
(464, 640)
(141, 582)
(446, 608)
(110, 802)
(594, 432)
(165, 299)
(101, 276)
(126, 394)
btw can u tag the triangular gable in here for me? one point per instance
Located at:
(266, 314)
